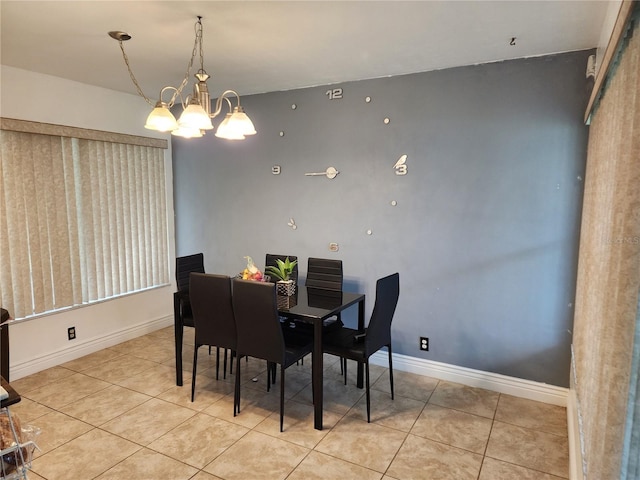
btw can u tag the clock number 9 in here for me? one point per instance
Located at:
(334, 94)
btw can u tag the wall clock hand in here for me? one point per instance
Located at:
(330, 173)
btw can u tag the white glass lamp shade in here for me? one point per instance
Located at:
(241, 123)
(194, 117)
(187, 132)
(227, 133)
(161, 119)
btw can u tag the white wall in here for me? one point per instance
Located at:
(42, 342)
(485, 229)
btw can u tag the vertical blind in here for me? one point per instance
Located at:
(606, 321)
(80, 220)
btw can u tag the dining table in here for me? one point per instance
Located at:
(314, 306)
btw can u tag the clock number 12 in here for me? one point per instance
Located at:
(334, 94)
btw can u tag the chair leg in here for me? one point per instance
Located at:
(236, 393)
(193, 377)
(232, 356)
(345, 369)
(342, 360)
(268, 376)
(217, 361)
(390, 371)
(366, 364)
(224, 364)
(281, 396)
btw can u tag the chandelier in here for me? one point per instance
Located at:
(196, 115)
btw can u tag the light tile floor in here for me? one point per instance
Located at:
(117, 414)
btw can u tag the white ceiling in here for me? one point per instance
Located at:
(264, 46)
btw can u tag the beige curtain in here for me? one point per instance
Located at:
(609, 266)
(80, 220)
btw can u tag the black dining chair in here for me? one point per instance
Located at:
(323, 274)
(260, 334)
(213, 318)
(182, 314)
(357, 345)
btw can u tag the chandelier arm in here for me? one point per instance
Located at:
(175, 95)
(224, 96)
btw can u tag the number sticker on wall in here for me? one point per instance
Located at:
(401, 166)
(334, 94)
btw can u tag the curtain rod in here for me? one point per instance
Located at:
(28, 126)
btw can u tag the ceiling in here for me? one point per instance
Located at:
(265, 46)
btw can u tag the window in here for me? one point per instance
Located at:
(81, 220)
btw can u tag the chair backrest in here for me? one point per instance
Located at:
(379, 329)
(324, 273)
(257, 322)
(270, 261)
(186, 265)
(212, 309)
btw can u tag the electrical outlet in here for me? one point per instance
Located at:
(424, 344)
(71, 333)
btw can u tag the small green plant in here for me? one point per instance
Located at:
(283, 269)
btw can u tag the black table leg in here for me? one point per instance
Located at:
(177, 323)
(316, 373)
(360, 377)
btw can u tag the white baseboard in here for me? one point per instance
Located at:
(85, 348)
(517, 387)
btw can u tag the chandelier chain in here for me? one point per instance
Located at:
(201, 48)
(197, 45)
(133, 77)
(197, 42)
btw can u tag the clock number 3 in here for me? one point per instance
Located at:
(334, 94)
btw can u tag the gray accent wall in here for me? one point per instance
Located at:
(485, 230)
